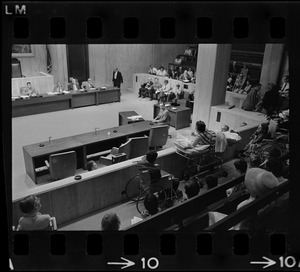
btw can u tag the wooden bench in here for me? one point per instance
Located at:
(177, 214)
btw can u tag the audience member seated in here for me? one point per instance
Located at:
(257, 182)
(275, 166)
(246, 89)
(255, 161)
(184, 76)
(211, 181)
(284, 94)
(73, 85)
(145, 88)
(190, 73)
(33, 219)
(91, 165)
(188, 51)
(176, 93)
(190, 101)
(29, 90)
(241, 168)
(152, 70)
(191, 188)
(253, 146)
(58, 88)
(110, 222)
(163, 92)
(252, 98)
(203, 136)
(178, 72)
(163, 117)
(171, 72)
(155, 87)
(178, 60)
(274, 153)
(270, 101)
(151, 205)
(161, 71)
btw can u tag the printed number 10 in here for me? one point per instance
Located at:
(152, 263)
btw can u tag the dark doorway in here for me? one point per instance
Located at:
(78, 61)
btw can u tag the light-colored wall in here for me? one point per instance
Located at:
(31, 66)
(129, 58)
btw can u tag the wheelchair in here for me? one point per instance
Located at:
(141, 184)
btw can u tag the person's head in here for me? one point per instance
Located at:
(28, 84)
(151, 203)
(240, 166)
(185, 72)
(161, 68)
(178, 86)
(116, 69)
(70, 78)
(275, 152)
(211, 181)
(225, 128)
(275, 166)
(257, 87)
(178, 57)
(151, 156)
(166, 81)
(259, 181)
(162, 106)
(255, 160)
(191, 188)
(91, 165)
(180, 68)
(30, 204)
(73, 80)
(89, 80)
(156, 80)
(190, 69)
(200, 126)
(110, 222)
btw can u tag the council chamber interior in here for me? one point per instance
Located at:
(70, 108)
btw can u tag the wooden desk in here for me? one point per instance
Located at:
(180, 117)
(75, 99)
(84, 144)
(46, 103)
(123, 117)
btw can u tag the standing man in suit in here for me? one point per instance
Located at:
(117, 78)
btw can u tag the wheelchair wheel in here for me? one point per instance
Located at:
(264, 151)
(158, 191)
(134, 188)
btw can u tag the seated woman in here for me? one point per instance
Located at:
(33, 219)
(178, 60)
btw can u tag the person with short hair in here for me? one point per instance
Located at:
(32, 219)
(203, 136)
(117, 78)
(148, 164)
(152, 70)
(110, 222)
(211, 181)
(178, 60)
(73, 85)
(91, 165)
(161, 71)
(151, 205)
(29, 90)
(252, 98)
(163, 116)
(191, 188)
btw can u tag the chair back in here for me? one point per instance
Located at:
(126, 148)
(16, 68)
(139, 146)
(158, 136)
(63, 165)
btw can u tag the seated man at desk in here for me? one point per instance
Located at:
(58, 88)
(28, 90)
(89, 84)
(163, 117)
(73, 85)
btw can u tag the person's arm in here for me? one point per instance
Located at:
(164, 118)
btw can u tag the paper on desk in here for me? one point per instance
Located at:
(52, 93)
(134, 117)
(66, 92)
(25, 96)
(135, 219)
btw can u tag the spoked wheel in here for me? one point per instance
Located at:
(134, 188)
(158, 191)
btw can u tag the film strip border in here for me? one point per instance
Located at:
(163, 22)
(182, 251)
(176, 22)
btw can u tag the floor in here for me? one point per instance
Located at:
(37, 128)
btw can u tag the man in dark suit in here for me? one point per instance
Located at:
(117, 78)
(73, 85)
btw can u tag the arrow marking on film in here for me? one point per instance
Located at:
(127, 263)
(268, 262)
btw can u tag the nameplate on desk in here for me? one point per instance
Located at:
(52, 93)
